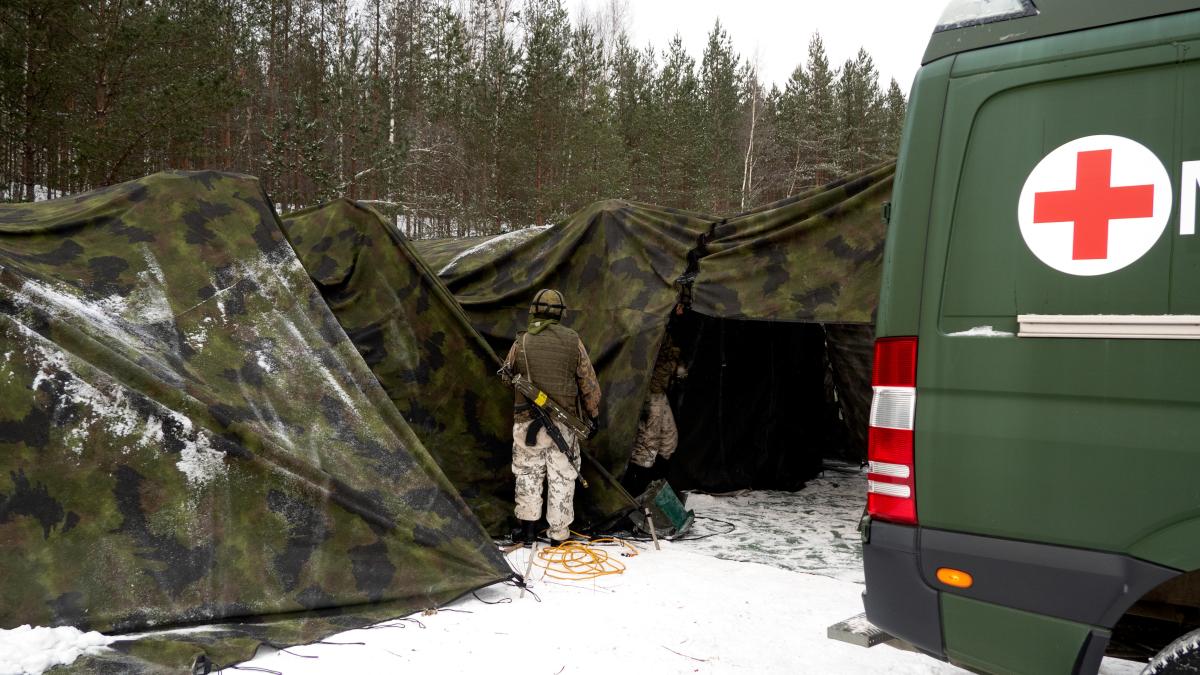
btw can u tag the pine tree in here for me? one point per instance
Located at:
(543, 108)
(491, 115)
(594, 166)
(721, 79)
(859, 114)
(634, 112)
(679, 129)
(817, 133)
(893, 119)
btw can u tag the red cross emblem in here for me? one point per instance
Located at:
(1092, 204)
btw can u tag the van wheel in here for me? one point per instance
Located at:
(1181, 657)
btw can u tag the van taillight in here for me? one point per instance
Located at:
(890, 487)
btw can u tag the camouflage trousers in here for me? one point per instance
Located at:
(657, 435)
(541, 463)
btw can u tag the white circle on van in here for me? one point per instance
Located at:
(1095, 205)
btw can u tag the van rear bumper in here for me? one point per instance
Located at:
(1093, 588)
(897, 598)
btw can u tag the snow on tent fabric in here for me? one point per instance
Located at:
(188, 436)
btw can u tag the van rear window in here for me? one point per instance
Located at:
(963, 13)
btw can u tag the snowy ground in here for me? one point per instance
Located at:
(814, 530)
(756, 600)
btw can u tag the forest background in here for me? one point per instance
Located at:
(454, 117)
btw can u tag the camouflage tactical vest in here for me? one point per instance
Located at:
(553, 357)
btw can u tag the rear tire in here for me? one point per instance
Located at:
(1181, 657)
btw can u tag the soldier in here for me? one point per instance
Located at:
(657, 435)
(553, 357)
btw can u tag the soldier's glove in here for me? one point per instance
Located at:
(593, 427)
(506, 374)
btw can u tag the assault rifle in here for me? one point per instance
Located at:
(548, 411)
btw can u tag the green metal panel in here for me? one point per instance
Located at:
(1083, 442)
(996, 639)
(904, 254)
(1164, 545)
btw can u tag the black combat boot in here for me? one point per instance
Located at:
(525, 532)
(636, 479)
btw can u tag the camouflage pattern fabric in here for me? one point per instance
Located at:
(188, 436)
(435, 368)
(816, 257)
(851, 352)
(623, 266)
(543, 463)
(657, 435)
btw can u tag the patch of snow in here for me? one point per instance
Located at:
(187, 630)
(41, 193)
(264, 361)
(517, 237)
(982, 331)
(859, 625)
(198, 461)
(105, 315)
(197, 338)
(26, 650)
(315, 364)
(148, 303)
(106, 404)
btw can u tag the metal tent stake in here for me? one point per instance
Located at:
(528, 568)
(653, 532)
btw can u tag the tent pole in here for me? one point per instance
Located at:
(621, 488)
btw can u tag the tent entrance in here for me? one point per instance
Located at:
(766, 402)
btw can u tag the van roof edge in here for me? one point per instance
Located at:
(1053, 17)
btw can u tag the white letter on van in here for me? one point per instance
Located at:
(1188, 184)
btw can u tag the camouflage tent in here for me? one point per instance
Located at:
(187, 435)
(777, 301)
(436, 369)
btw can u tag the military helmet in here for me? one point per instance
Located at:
(549, 304)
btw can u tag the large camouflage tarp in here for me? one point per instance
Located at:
(188, 436)
(815, 257)
(436, 369)
(624, 266)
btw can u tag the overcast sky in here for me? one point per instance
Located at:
(894, 32)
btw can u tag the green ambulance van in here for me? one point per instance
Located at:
(1034, 477)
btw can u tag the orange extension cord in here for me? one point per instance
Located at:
(576, 560)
